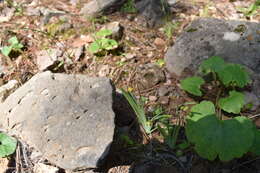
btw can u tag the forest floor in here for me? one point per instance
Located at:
(126, 67)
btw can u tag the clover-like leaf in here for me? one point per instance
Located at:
(13, 40)
(108, 44)
(233, 103)
(192, 85)
(212, 64)
(6, 50)
(7, 145)
(234, 75)
(103, 33)
(256, 144)
(94, 47)
(226, 139)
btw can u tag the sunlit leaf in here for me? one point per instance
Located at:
(233, 103)
(7, 146)
(192, 85)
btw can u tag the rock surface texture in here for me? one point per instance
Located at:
(68, 118)
(235, 41)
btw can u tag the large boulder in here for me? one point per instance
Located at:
(68, 118)
(235, 41)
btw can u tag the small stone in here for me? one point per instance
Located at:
(150, 54)
(164, 100)
(47, 58)
(6, 89)
(152, 98)
(42, 168)
(116, 28)
(163, 91)
(159, 42)
(130, 56)
(79, 52)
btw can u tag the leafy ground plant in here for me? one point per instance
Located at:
(251, 10)
(14, 45)
(213, 137)
(7, 145)
(102, 43)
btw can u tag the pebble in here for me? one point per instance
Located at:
(159, 42)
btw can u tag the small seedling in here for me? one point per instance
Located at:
(251, 10)
(15, 45)
(7, 145)
(148, 124)
(212, 136)
(160, 62)
(101, 43)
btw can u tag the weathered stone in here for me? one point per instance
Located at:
(96, 6)
(68, 118)
(42, 168)
(116, 28)
(47, 58)
(235, 41)
(153, 10)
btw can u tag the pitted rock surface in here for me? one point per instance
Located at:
(235, 41)
(68, 118)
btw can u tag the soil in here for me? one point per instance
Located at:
(145, 46)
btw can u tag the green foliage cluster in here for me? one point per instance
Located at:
(129, 7)
(102, 43)
(212, 136)
(7, 145)
(251, 10)
(15, 45)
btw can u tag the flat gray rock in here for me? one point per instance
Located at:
(96, 6)
(68, 118)
(235, 41)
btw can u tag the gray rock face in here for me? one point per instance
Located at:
(95, 6)
(235, 41)
(68, 118)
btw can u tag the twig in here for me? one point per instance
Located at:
(246, 162)
(254, 116)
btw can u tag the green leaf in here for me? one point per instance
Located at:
(227, 139)
(103, 33)
(256, 144)
(13, 40)
(233, 103)
(17, 46)
(108, 44)
(6, 50)
(7, 146)
(212, 64)
(204, 108)
(139, 111)
(192, 85)
(234, 75)
(94, 47)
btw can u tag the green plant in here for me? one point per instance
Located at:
(101, 43)
(251, 10)
(138, 107)
(129, 7)
(7, 145)
(15, 45)
(212, 136)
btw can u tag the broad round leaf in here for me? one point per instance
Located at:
(94, 47)
(7, 145)
(233, 103)
(212, 64)
(256, 144)
(192, 85)
(234, 75)
(103, 33)
(204, 108)
(108, 44)
(227, 139)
